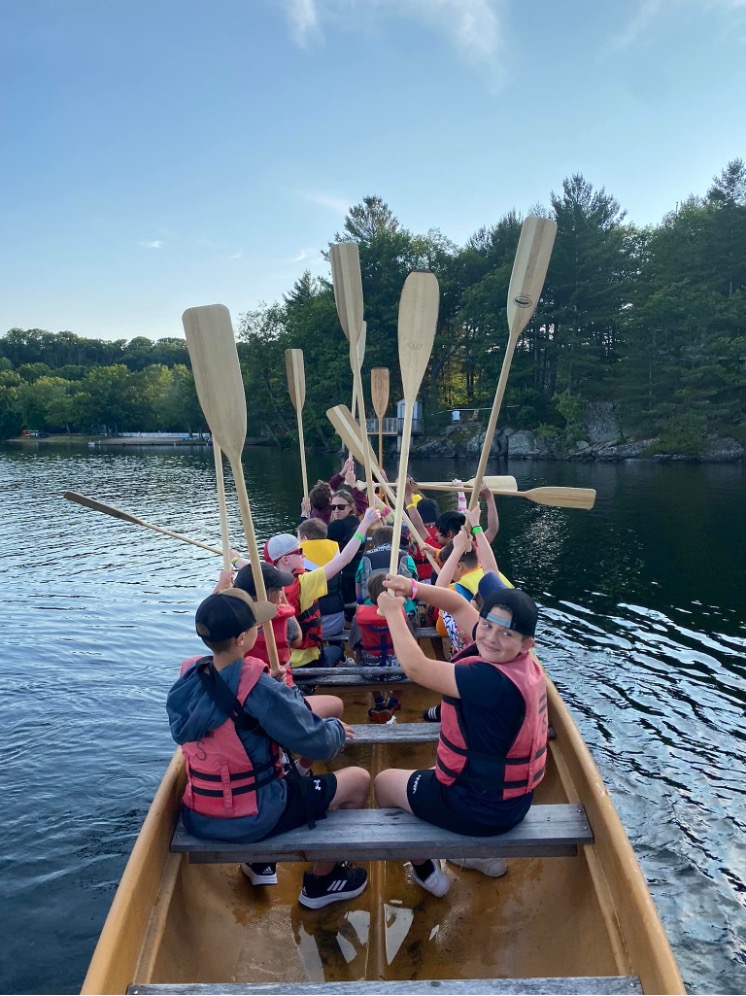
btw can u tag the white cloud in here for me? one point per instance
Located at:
(304, 22)
(333, 202)
(475, 28)
(646, 13)
(155, 244)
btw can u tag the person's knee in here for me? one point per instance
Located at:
(382, 788)
(335, 707)
(353, 786)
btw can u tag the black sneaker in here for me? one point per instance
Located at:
(342, 882)
(432, 715)
(260, 874)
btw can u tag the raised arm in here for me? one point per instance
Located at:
(463, 612)
(414, 516)
(486, 553)
(493, 521)
(440, 676)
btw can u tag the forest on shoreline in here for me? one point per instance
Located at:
(652, 319)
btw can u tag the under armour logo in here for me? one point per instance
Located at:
(317, 784)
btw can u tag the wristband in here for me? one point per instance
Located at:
(411, 505)
(477, 529)
(413, 596)
(234, 561)
(358, 537)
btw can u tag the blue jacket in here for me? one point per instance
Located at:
(283, 717)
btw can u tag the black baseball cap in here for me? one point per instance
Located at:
(521, 606)
(229, 613)
(273, 578)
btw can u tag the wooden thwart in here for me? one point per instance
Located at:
(604, 985)
(383, 834)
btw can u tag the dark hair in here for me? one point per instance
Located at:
(450, 522)
(320, 495)
(428, 509)
(469, 557)
(344, 493)
(375, 587)
(382, 535)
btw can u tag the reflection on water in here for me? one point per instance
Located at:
(642, 630)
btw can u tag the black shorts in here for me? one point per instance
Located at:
(431, 801)
(308, 798)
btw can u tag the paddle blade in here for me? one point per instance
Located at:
(349, 432)
(348, 286)
(505, 483)
(561, 497)
(217, 375)
(418, 319)
(379, 389)
(296, 377)
(529, 270)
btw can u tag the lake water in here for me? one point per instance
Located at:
(643, 629)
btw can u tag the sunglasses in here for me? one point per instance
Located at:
(340, 508)
(295, 553)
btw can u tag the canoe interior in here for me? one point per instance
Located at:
(590, 915)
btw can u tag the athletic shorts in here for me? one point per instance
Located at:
(308, 798)
(432, 801)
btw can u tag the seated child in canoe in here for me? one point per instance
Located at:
(230, 718)
(492, 746)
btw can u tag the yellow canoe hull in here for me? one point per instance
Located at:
(590, 915)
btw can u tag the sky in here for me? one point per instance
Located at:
(162, 154)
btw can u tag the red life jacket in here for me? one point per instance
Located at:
(221, 779)
(519, 771)
(378, 647)
(424, 567)
(309, 620)
(280, 629)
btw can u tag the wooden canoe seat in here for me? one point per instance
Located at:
(382, 834)
(421, 632)
(605, 985)
(396, 733)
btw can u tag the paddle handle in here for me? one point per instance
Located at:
(222, 510)
(117, 513)
(256, 570)
(406, 438)
(302, 444)
(492, 424)
(364, 445)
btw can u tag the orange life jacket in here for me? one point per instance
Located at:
(309, 620)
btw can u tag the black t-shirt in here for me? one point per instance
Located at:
(493, 711)
(342, 531)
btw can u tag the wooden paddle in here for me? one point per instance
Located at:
(418, 319)
(346, 428)
(526, 282)
(297, 388)
(222, 509)
(505, 483)
(348, 294)
(560, 497)
(379, 392)
(117, 513)
(217, 378)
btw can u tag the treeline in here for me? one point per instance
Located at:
(652, 318)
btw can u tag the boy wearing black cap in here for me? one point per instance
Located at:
(230, 718)
(492, 745)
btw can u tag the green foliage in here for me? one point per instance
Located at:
(653, 319)
(685, 434)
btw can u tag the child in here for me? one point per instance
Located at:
(230, 718)
(318, 550)
(285, 552)
(377, 560)
(492, 746)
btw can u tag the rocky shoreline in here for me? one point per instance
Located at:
(522, 444)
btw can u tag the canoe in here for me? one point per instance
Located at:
(570, 924)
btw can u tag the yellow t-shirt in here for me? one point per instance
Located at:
(312, 587)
